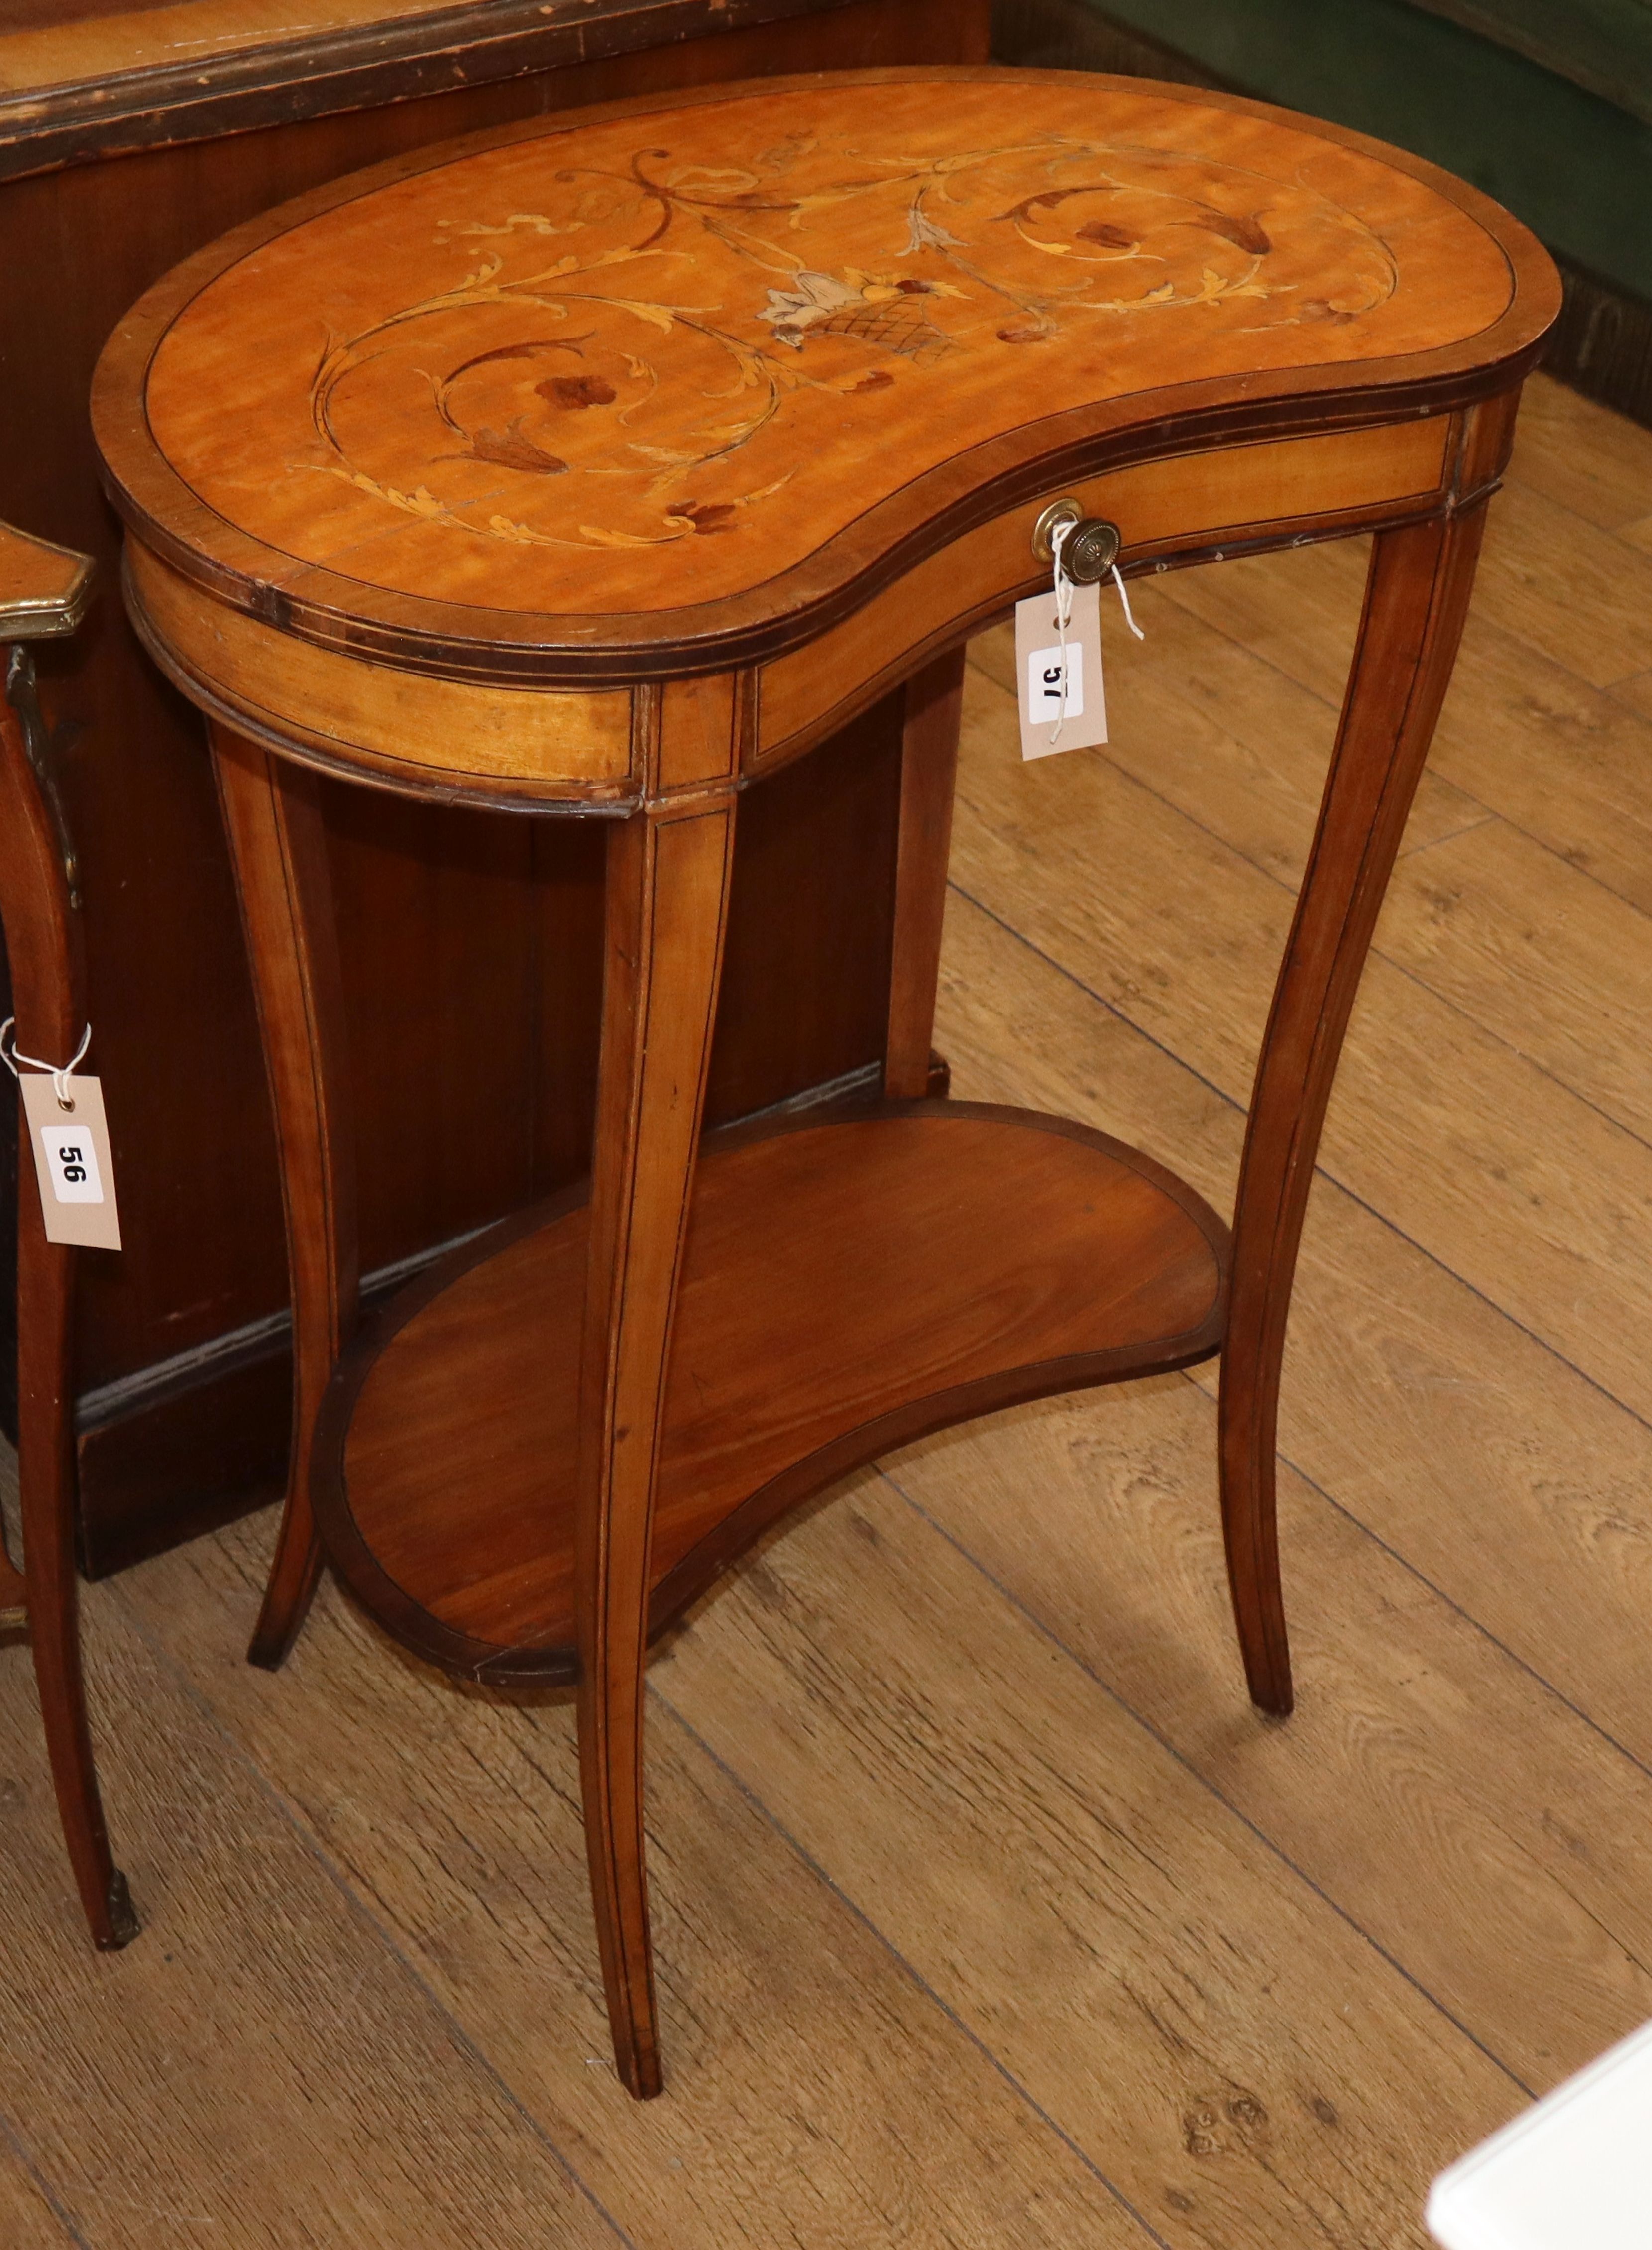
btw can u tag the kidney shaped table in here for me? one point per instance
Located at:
(602, 468)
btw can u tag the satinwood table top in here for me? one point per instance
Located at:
(680, 375)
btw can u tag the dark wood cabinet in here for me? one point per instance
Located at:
(472, 938)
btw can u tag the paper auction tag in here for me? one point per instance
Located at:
(1073, 695)
(71, 1161)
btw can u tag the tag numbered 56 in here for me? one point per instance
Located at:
(71, 1161)
(1083, 713)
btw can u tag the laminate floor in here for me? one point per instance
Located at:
(987, 1911)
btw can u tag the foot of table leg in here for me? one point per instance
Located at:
(667, 905)
(1416, 598)
(295, 1573)
(271, 815)
(928, 775)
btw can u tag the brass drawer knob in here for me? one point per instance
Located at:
(1090, 547)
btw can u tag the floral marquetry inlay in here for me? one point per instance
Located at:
(652, 362)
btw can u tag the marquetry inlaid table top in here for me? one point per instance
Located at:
(687, 374)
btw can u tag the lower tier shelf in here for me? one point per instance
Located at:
(852, 1279)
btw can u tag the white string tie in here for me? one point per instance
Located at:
(12, 1056)
(1130, 615)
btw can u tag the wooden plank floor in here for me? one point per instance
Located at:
(988, 1913)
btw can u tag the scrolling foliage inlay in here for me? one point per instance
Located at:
(731, 326)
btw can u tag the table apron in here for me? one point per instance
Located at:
(607, 749)
(1193, 507)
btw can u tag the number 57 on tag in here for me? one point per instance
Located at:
(71, 1161)
(1082, 710)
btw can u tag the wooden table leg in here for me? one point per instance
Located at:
(45, 1485)
(667, 903)
(928, 776)
(1416, 598)
(42, 946)
(272, 814)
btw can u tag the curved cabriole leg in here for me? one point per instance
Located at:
(928, 778)
(666, 906)
(45, 1483)
(42, 944)
(1416, 598)
(278, 844)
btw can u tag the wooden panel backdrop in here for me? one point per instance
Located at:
(472, 942)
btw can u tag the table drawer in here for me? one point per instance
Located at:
(1194, 502)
